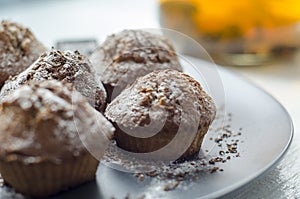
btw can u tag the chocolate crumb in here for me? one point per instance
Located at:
(152, 173)
(217, 140)
(193, 163)
(211, 162)
(171, 186)
(170, 175)
(180, 175)
(214, 169)
(232, 148)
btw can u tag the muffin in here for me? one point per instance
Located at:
(66, 66)
(18, 49)
(129, 54)
(44, 130)
(163, 115)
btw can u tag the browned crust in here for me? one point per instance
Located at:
(18, 49)
(130, 54)
(65, 66)
(49, 121)
(162, 94)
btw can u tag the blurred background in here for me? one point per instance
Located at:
(248, 32)
(235, 33)
(53, 20)
(256, 39)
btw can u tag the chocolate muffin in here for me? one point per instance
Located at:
(67, 66)
(164, 115)
(18, 49)
(44, 130)
(129, 54)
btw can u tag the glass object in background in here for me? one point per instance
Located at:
(247, 32)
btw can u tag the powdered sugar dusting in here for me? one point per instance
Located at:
(18, 49)
(160, 178)
(133, 53)
(65, 66)
(168, 90)
(41, 116)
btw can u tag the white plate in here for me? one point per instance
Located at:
(267, 132)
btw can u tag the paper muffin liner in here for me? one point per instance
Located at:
(195, 146)
(160, 140)
(47, 178)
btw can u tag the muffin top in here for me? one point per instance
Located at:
(18, 49)
(49, 121)
(67, 66)
(162, 94)
(132, 53)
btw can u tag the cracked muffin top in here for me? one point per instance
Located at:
(19, 48)
(49, 121)
(65, 66)
(130, 54)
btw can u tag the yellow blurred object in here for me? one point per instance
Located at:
(246, 26)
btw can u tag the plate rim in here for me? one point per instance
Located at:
(275, 161)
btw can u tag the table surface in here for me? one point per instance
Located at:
(55, 20)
